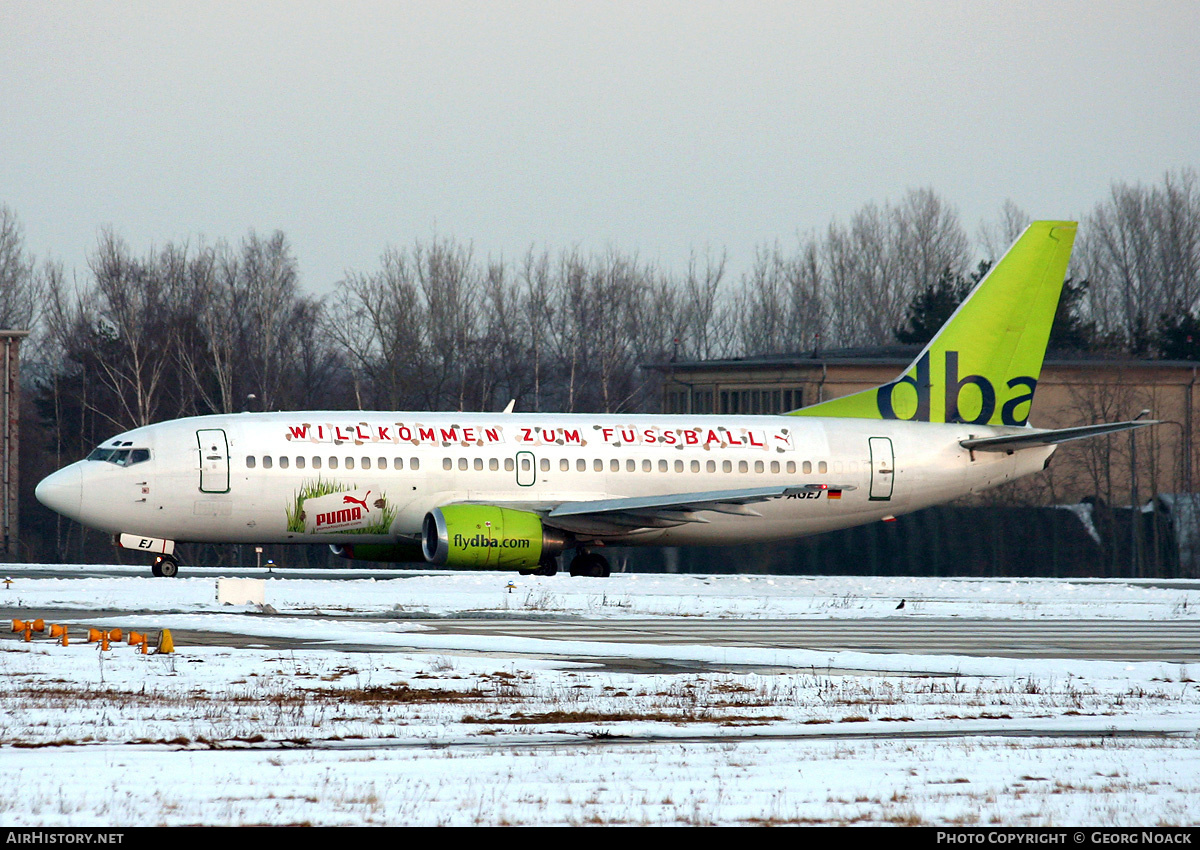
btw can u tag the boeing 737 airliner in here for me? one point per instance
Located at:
(509, 490)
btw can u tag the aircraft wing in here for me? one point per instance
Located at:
(623, 514)
(1037, 438)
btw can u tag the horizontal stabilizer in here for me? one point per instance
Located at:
(1035, 438)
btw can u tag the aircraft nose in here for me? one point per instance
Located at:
(62, 491)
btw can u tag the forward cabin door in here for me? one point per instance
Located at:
(883, 466)
(214, 460)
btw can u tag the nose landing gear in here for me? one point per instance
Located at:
(165, 566)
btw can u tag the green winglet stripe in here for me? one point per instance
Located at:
(983, 366)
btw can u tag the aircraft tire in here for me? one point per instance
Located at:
(165, 567)
(590, 564)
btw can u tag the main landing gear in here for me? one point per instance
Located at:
(547, 567)
(165, 566)
(585, 563)
(590, 564)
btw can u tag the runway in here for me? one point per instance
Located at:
(1093, 640)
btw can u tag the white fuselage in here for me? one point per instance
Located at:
(240, 478)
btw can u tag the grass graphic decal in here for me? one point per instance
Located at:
(322, 506)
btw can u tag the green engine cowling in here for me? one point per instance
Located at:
(488, 537)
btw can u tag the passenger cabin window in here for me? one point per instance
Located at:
(300, 462)
(251, 462)
(266, 461)
(283, 462)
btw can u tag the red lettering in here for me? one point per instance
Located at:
(427, 434)
(712, 438)
(571, 436)
(338, 435)
(548, 435)
(298, 433)
(755, 442)
(469, 434)
(526, 435)
(492, 434)
(383, 433)
(608, 434)
(732, 441)
(649, 437)
(404, 433)
(691, 437)
(359, 434)
(628, 436)
(669, 438)
(451, 435)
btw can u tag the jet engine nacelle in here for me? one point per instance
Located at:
(488, 537)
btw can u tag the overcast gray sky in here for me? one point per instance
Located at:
(657, 127)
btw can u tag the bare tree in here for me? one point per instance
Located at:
(1140, 250)
(995, 237)
(20, 286)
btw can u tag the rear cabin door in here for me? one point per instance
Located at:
(883, 465)
(214, 460)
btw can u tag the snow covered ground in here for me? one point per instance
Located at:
(421, 728)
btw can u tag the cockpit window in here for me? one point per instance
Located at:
(120, 456)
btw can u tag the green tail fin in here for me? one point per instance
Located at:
(983, 365)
